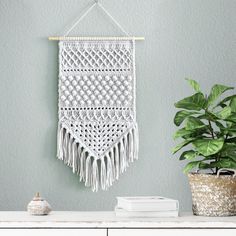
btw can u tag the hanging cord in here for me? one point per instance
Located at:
(113, 20)
(80, 19)
(88, 11)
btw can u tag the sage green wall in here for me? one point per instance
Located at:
(184, 38)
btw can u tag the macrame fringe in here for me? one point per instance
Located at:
(97, 172)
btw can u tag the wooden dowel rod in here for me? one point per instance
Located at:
(57, 38)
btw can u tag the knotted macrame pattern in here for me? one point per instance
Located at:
(97, 130)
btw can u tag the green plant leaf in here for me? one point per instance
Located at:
(229, 147)
(180, 116)
(232, 156)
(203, 165)
(222, 103)
(232, 118)
(194, 84)
(230, 129)
(220, 125)
(224, 113)
(189, 155)
(208, 147)
(231, 140)
(182, 132)
(233, 104)
(193, 123)
(229, 150)
(191, 165)
(180, 145)
(195, 102)
(208, 116)
(224, 163)
(198, 133)
(216, 91)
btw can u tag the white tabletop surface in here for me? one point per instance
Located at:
(99, 219)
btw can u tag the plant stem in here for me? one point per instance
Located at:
(213, 136)
(210, 126)
(226, 136)
(211, 129)
(217, 159)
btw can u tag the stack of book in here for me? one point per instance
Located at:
(146, 207)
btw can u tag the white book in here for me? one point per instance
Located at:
(152, 203)
(120, 212)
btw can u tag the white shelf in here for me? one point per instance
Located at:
(98, 219)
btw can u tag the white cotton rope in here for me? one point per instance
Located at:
(88, 11)
(114, 20)
(80, 19)
(97, 130)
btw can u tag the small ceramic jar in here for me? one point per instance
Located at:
(38, 206)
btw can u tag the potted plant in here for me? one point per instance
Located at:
(208, 127)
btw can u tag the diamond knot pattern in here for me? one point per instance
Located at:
(98, 137)
(95, 57)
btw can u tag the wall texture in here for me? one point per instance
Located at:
(183, 39)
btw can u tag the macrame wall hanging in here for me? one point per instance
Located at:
(97, 129)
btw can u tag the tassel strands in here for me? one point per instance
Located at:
(95, 176)
(60, 142)
(96, 172)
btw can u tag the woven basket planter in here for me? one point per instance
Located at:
(213, 195)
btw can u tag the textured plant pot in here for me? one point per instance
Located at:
(213, 195)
